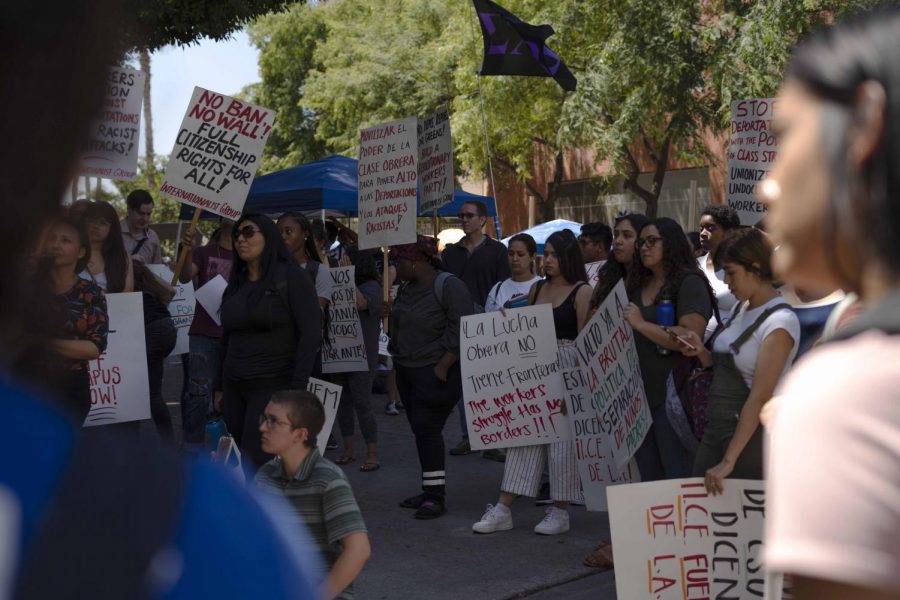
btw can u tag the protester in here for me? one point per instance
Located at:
(205, 334)
(715, 221)
(513, 292)
(316, 488)
(324, 238)
(832, 490)
(160, 337)
(109, 266)
(748, 356)
(696, 248)
(141, 242)
(297, 235)
(273, 328)
(624, 245)
(357, 385)
(77, 208)
(595, 241)
(663, 271)
(425, 329)
(480, 262)
(566, 290)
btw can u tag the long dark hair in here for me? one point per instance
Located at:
(366, 267)
(568, 255)
(678, 262)
(312, 252)
(613, 271)
(115, 257)
(274, 254)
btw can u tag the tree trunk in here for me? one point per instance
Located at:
(548, 207)
(651, 196)
(150, 155)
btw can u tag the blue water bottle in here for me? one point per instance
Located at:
(665, 317)
(214, 430)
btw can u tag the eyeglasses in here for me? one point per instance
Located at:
(271, 422)
(246, 231)
(464, 216)
(650, 241)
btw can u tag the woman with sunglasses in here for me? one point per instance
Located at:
(663, 269)
(109, 266)
(272, 329)
(566, 289)
(833, 462)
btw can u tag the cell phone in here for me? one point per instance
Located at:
(677, 337)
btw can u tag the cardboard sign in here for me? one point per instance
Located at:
(595, 467)
(120, 388)
(383, 340)
(387, 176)
(512, 387)
(613, 375)
(217, 152)
(112, 150)
(435, 162)
(673, 540)
(181, 308)
(348, 348)
(329, 395)
(209, 295)
(752, 151)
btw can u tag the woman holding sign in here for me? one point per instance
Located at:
(566, 289)
(273, 329)
(513, 292)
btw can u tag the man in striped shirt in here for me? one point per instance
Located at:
(316, 488)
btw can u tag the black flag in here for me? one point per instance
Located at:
(513, 47)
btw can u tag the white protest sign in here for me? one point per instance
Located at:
(512, 388)
(674, 541)
(752, 151)
(383, 340)
(120, 388)
(209, 295)
(181, 308)
(348, 349)
(435, 161)
(217, 152)
(387, 175)
(329, 395)
(595, 467)
(612, 371)
(112, 150)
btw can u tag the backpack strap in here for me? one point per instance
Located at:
(742, 339)
(438, 289)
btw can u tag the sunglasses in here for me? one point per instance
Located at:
(247, 231)
(464, 216)
(650, 241)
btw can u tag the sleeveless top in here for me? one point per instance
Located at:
(98, 278)
(564, 316)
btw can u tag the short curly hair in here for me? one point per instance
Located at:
(724, 216)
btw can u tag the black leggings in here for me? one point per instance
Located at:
(242, 404)
(160, 337)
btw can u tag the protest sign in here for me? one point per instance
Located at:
(673, 540)
(595, 466)
(383, 340)
(387, 176)
(435, 161)
(613, 375)
(209, 295)
(752, 151)
(112, 149)
(181, 308)
(512, 387)
(217, 152)
(347, 351)
(120, 388)
(329, 395)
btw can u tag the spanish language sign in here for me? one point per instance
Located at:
(387, 184)
(181, 308)
(329, 394)
(112, 150)
(613, 375)
(752, 151)
(675, 541)
(512, 387)
(217, 152)
(435, 161)
(595, 467)
(347, 349)
(120, 388)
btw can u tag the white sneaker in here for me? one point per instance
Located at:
(556, 520)
(495, 518)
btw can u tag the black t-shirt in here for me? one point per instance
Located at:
(481, 270)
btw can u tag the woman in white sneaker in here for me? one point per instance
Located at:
(566, 289)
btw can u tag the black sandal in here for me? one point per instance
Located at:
(431, 509)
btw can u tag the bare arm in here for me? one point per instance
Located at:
(77, 349)
(354, 555)
(583, 306)
(190, 269)
(694, 322)
(129, 276)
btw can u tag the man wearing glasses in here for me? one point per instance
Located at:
(141, 242)
(480, 262)
(595, 241)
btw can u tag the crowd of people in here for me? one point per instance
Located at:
(732, 304)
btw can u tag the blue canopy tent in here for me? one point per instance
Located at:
(328, 184)
(541, 232)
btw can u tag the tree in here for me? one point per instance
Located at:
(149, 154)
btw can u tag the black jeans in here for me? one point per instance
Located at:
(428, 402)
(242, 404)
(160, 337)
(76, 394)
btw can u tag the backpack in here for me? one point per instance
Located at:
(438, 290)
